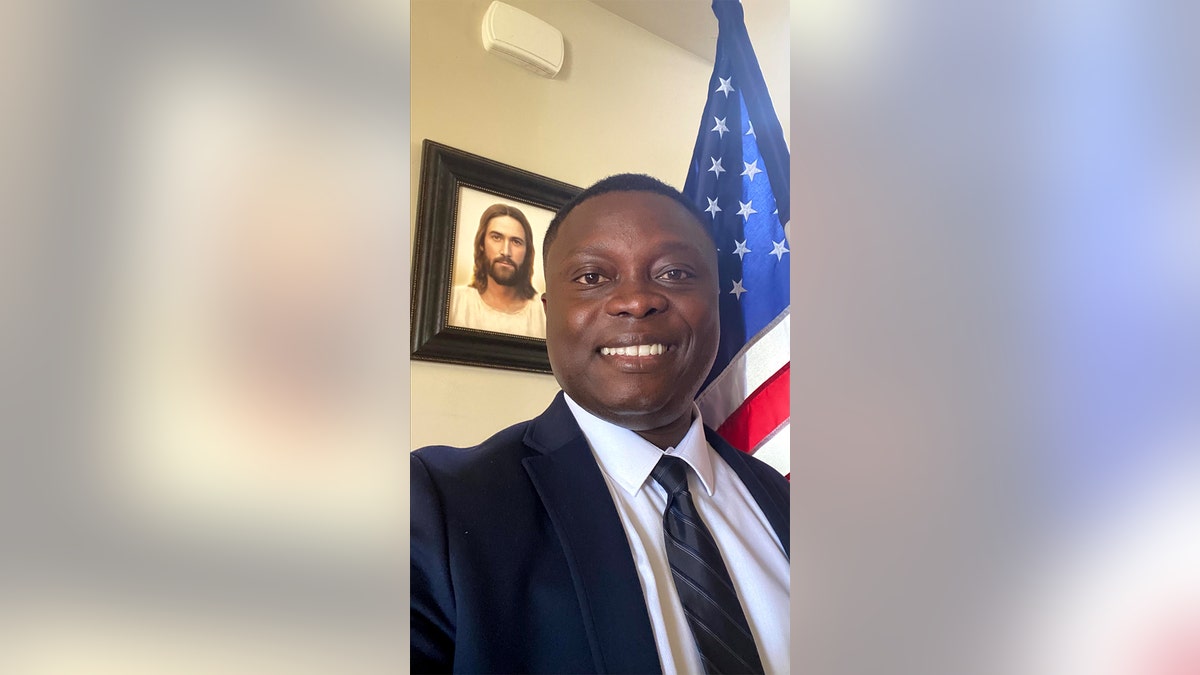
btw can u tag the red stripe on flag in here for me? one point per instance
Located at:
(760, 414)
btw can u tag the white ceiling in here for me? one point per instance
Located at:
(690, 24)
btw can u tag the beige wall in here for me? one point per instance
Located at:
(625, 100)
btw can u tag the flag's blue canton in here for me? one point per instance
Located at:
(737, 187)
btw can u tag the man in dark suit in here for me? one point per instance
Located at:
(613, 533)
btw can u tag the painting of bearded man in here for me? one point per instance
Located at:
(501, 296)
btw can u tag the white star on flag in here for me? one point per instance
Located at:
(738, 289)
(716, 167)
(712, 207)
(725, 87)
(751, 132)
(745, 211)
(720, 128)
(780, 249)
(741, 249)
(751, 170)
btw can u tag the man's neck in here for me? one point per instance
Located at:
(503, 298)
(670, 435)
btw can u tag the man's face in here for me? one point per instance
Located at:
(632, 272)
(504, 247)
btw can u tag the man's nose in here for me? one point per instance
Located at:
(506, 248)
(637, 298)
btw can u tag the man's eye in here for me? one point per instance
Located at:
(518, 243)
(676, 275)
(590, 278)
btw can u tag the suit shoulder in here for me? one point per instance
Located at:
(505, 447)
(763, 471)
(768, 473)
(771, 478)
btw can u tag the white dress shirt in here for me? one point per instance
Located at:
(752, 553)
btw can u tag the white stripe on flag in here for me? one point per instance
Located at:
(755, 363)
(776, 448)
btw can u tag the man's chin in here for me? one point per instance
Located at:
(505, 277)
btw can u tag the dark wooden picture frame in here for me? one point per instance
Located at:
(444, 172)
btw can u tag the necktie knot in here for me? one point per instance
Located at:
(671, 474)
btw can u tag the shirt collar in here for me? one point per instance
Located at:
(628, 458)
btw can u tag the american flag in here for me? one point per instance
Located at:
(739, 176)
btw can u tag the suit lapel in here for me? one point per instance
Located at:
(574, 494)
(774, 505)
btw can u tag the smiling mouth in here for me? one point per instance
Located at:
(635, 350)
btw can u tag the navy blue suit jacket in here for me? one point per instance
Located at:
(519, 560)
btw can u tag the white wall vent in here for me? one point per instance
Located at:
(523, 39)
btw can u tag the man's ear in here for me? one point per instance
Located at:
(543, 301)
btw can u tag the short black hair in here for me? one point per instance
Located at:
(621, 182)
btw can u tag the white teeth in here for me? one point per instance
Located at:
(635, 350)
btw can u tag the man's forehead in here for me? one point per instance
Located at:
(592, 214)
(586, 226)
(505, 224)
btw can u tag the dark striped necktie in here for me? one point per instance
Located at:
(702, 581)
